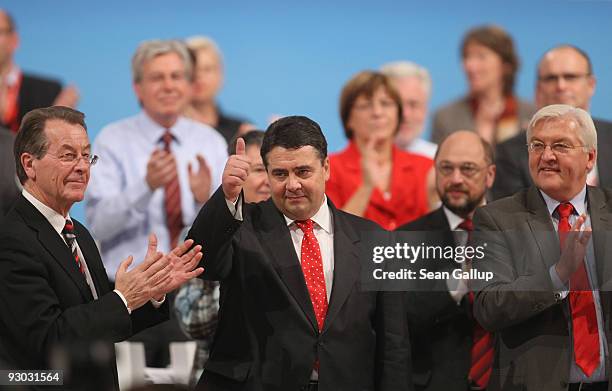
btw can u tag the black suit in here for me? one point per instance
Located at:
(8, 184)
(267, 336)
(35, 92)
(45, 300)
(512, 160)
(440, 329)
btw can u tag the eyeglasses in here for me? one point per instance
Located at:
(568, 77)
(468, 170)
(559, 148)
(73, 159)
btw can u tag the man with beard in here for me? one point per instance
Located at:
(454, 352)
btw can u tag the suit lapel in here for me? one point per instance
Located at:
(601, 224)
(56, 247)
(541, 228)
(92, 259)
(346, 264)
(277, 238)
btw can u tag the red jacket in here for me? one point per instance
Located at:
(408, 198)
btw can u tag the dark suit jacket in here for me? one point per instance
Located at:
(35, 92)
(45, 300)
(440, 330)
(512, 160)
(267, 336)
(8, 185)
(519, 303)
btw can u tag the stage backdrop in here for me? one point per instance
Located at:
(289, 57)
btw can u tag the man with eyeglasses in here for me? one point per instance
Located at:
(451, 352)
(548, 301)
(54, 292)
(158, 169)
(564, 76)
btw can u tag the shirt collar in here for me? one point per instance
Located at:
(321, 218)
(56, 220)
(578, 202)
(154, 131)
(13, 75)
(453, 219)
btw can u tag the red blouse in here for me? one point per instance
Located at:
(408, 196)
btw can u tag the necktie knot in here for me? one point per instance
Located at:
(565, 209)
(307, 226)
(68, 229)
(167, 139)
(467, 225)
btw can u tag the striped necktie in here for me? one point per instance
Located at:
(70, 237)
(172, 199)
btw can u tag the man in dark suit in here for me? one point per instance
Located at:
(442, 329)
(8, 181)
(54, 292)
(292, 313)
(548, 298)
(565, 76)
(21, 92)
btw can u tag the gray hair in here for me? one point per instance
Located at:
(201, 42)
(399, 69)
(583, 119)
(148, 50)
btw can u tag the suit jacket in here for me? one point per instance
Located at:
(457, 115)
(267, 336)
(533, 340)
(441, 331)
(512, 160)
(35, 92)
(46, 302)
(8, 185)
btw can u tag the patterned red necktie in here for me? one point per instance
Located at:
(70, 237)
(482, 341)
(584, 319)
(172, 199)
(312, 267)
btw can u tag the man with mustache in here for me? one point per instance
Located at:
(565, 76)
(453, 352)
(156, 168)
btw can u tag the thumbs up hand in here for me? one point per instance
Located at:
(235, 172)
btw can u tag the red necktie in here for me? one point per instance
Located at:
(482, 341)
(70, 237)
(172, 199)
(312, 267)
(584, 319)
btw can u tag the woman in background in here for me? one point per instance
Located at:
(372, 177)
(490, 108)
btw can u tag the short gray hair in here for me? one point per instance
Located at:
(398, 69)
(148, 50)
(201, 42)
(583, 119)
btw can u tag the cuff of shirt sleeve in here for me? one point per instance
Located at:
(235, 207)
(123, 300)
(560, 289)
(457, 289)
(158, 304)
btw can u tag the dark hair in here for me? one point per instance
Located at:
(489, 151)
(366, 83)
(499, 41)
(581, 52)
(252, 137)
(294, 132)
(31, 137)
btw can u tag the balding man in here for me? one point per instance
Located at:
(565, 76)
(443, 333)
(21, 92)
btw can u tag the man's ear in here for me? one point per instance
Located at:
(28, 162)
